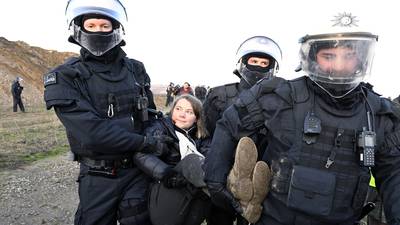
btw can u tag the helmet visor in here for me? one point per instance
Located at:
(338, 60)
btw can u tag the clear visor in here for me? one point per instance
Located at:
(338, 60)
(97, 43)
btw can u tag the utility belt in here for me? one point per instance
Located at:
(106, 168)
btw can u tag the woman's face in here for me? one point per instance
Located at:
(183, 115)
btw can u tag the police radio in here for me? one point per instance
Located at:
(366, 144)
(142, 102)
(311, 128)
(142, 105)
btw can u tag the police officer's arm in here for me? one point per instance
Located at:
(244, 118)
(220, 158)
(97, 134)
(151, 164)
(228, 131)
(387, 170)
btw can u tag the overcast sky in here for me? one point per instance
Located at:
(196, 41)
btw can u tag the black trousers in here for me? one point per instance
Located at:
(104, 200)
(18, 102)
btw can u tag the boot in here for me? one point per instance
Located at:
(261, 179)
(239, 180)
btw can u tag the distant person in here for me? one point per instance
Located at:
(170, 94)
(16, 90)
(186, 89)
(200, 92)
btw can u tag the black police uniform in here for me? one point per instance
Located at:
(16, 91)
(218, 99)
(200, 92)
(317, 176)
(99, 100)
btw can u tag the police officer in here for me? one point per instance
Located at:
(102, 99)
(257, 57)
(16, 91)
(326, 131)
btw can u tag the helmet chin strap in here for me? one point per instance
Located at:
(331, 94)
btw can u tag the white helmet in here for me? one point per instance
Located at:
(263, 46)
(111, 8)
(97, 44)
(338, 78)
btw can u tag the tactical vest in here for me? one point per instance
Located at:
(115, 97)
(319, 175)
(227, 96)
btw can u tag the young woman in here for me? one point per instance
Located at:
(176, 196)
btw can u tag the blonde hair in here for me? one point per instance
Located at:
(198, 112)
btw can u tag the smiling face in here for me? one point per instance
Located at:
(338, 61)
(183, 114)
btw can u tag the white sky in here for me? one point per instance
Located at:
(196, 40)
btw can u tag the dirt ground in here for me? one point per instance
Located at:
(44, 192)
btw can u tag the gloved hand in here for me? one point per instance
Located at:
(173, 179)
(221, 197)
(155, 144)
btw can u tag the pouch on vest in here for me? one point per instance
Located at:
(311, 191)
(168, 206)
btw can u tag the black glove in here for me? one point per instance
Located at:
(173, 179)
(221, 197)
(155, 144)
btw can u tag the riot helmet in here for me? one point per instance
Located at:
(96, 43)
(339, 60)
(260, 47)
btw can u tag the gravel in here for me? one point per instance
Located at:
(44, 192)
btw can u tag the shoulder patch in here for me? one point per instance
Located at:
(50, 78)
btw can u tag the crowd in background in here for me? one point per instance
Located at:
(173, 90)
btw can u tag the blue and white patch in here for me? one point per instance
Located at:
(50, 78)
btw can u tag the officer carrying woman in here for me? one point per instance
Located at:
(102, 98)
(325, 131)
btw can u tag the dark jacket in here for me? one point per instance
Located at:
(96, 99)
(218, 100)
(156, 165)
(16, 89)
(299, 168)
